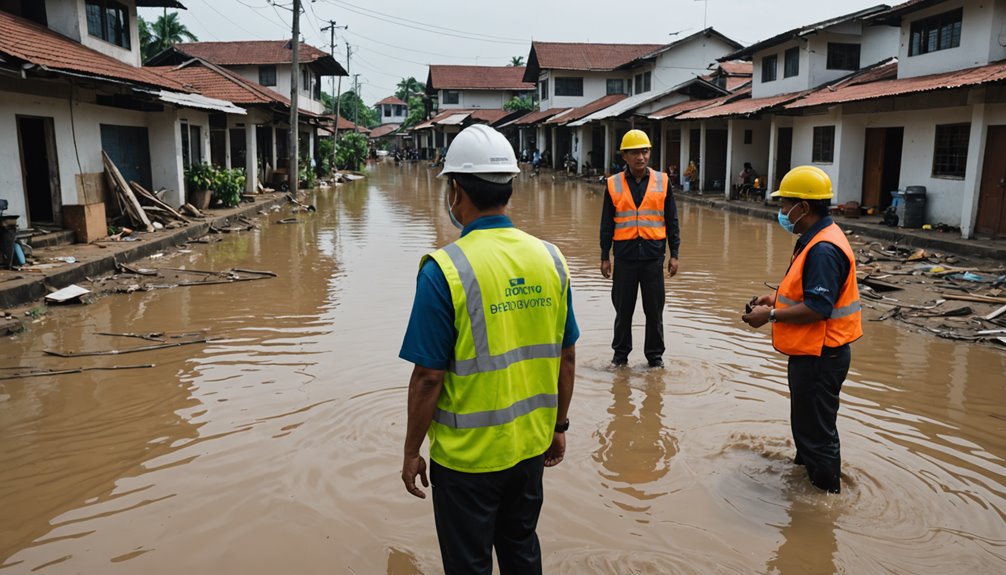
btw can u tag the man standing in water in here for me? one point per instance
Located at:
(815, 315)
(638, 218)
(492, 337)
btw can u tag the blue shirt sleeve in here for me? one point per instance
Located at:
(429, 339)
(824, 272)
(572, 331)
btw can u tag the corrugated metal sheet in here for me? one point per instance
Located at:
(585, 110)
(196, 101)
(453, 119)
(740, 107)
(679, 108)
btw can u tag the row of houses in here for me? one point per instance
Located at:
(881, 99)
(72, 84)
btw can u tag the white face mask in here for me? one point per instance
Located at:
(450, 208)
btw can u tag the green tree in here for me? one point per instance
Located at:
(329, 102)
(353, 109)
(162, 33)
(409, 87)
(351, 151)
(517, 61)
(417, 112)
(519, 104)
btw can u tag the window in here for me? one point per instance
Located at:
(109, 21)
(192, 148)
(400, 110)
(940, 32)
(951, 154)
(843, 56)
(791, 62)
(569, 86)
(748, 136)
(647, 78)
(452, 97)
(267, 75)
(305, 80)
(638, 78)
(615, 87)
(387, 111)
(768, 68)
(544, 89)
(824, 145)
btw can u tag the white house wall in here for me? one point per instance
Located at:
(757, 152)
(305, 99)
(879, 44)
(595, 85)
(981, 22)
(781, 85)
(686, 61)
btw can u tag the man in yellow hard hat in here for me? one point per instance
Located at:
(815, 315)
(638, 220)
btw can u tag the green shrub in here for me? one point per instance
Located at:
(351, 152)
(200, 176)
(228, 185)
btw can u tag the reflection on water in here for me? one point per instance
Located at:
(276, 448)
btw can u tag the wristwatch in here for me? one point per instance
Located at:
(562, 427)
(771, 315)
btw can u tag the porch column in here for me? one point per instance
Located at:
(976, 159)
(605, 166)
(702, 156)
(663, 144)
(773, 156)
(729, 180)
(251, 157)
(554, 150)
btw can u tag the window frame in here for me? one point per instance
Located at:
(791, 56)
(544, 89)
(452, 97)
(621, 86)
(924, 31)
(565, 82)
(262, 80)
(823, 145)
(951, 163)
(840, 56)
(124, 31)
(774, 59)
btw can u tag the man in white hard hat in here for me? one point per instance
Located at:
(492, 337)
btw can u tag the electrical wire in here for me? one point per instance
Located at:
(349, 5)
(224, 16)
(410, 49)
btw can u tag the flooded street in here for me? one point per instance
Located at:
(277, 448)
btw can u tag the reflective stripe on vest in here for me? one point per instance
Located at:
(498, 403)
(845, 324)
(646, 220)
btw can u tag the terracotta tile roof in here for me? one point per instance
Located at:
(737, 68)
(344, 124)
(476, 78)
(679, 108)
(743, 106)
(734, 83)
(537, 117)
(585, 110)
(489, 116)
(391, 100)
(880, 83)
(384, 130)
(25, 40)
(471, 116)
(254, 52)
(216, 82)
(583, 56)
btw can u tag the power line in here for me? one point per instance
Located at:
(224, 16)
(345, 4)
(423, 51)
(416, 26)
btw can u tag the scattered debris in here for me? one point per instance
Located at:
(46, 372)
(128, 350)
(66, 294)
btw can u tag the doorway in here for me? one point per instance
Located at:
(992, 194)
(783, 155)
(881, 165)
(716, 160)
(39, 170)
(129, 149)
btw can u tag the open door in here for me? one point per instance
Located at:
(39, 170)
(783, 155)
(992, 196)
(881, 165)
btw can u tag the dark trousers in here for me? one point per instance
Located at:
(478, 511)
(629, 278)
(814, 385)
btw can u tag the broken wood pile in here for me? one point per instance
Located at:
(143, 209)
(125, 199)
(917, 287)
(131, 279)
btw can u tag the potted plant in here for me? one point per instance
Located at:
(200, 179)
(228, 187)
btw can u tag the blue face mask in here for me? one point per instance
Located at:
(784, 220)
(450, 212)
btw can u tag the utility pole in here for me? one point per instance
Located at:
(294, 93)
(331, 50)
(356, 93)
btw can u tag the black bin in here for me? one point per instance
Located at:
(8, 235)
(912, 209)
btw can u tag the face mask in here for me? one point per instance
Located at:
(784, 220)
(450, 212)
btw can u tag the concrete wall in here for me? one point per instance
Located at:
(62, 17)
(595, 85)
(983, 36)
(685, 61)
(757, 152)
(305, 99)
(393, 118)
(69, 18)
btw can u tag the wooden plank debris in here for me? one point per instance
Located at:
(131, 205)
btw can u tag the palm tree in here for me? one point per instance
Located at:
(164, 32)
(517, 61)
(409, 87)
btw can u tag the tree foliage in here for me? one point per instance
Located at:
(519, 104)
(417, 112)
(409, 87)
(162, 33)
(351, 151)
(353, 109)
(517, 61)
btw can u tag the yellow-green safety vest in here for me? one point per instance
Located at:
(500, 393)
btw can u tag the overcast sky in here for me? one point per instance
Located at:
(392, 39)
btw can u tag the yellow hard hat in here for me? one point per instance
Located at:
(634, 140)
(805, 183)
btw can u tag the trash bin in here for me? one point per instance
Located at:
(912, 211)
(8, 235)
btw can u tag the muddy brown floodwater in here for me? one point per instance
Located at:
(277, 448)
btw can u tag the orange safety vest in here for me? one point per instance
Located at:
(845, 324)
(645, 221)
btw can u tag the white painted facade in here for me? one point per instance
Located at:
(595, 85)
(477, 99)
(688, 59)
(983, 38)
(392, 113)
(69, 18)
(305, 98)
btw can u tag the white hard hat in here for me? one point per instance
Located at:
(481, 151)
